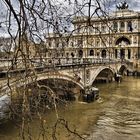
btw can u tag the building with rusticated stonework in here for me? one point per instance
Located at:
(116, 36)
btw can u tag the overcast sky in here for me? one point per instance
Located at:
(134, 4)
(111, 5)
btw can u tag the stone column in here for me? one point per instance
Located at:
(118, 54)
(99, 42)
(132, 40)
(112, 53)
(125, 26)
(132, 54)
(118, 26)
(126, 53)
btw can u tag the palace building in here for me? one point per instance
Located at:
(116, 36)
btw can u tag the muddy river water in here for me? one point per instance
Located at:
(116, 116)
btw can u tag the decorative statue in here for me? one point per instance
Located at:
(122, 5)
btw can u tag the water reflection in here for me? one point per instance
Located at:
(121, 118)
(4, 101)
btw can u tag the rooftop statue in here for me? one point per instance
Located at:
(122, 5)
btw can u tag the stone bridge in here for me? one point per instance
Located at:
(82, 74)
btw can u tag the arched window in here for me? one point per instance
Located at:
(122, 53)
(80, 53)
(103, 53)
(72, 54)
(98, 54)
(122, 27)
(67, 55)
(91, 53)
(122, 41)
(129, 26)
(72, 44)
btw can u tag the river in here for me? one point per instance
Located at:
(116, 116)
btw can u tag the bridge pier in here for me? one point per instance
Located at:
(89, 94)
(118, 78)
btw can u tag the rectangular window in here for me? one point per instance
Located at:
(116, 53)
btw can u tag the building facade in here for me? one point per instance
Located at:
(116, 36)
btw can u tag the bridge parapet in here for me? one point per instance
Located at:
(38, 62)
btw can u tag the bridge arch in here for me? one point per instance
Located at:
(122, 69)
(5, 89)
(106, 72)
(75, 80)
